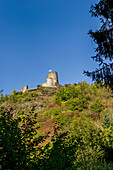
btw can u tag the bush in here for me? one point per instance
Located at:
(75, 97)
(26, 99)
(19, 101)
(37, 126)
(61, 118)
(2, 99)
(33, 94)
(107, 121)
(12, 98)
(53, 112)
(39, 133)
(14, 92)
(77, 104)
(20, 112)
(94, 89)
(96, 107)
(66, 93)
(26, 94)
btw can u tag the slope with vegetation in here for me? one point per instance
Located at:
(66, 128)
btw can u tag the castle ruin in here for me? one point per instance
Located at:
(52, 80)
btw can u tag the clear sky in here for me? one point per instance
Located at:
(38, 35)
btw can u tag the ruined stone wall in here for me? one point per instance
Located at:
(24, 88)
(52, 80)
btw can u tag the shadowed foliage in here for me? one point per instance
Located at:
(103, 38)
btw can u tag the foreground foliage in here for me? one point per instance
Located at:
(82, 116)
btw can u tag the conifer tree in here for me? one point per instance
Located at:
(103, 37)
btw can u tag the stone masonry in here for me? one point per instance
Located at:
(24, 88)
(52, 80)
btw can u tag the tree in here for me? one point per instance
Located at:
(1, 90)
(104, 42)
(13, 153)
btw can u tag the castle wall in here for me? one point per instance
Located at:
(52, 80)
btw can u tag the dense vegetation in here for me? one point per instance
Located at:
(68, 129)
(103, 38)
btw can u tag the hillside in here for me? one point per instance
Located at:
(60, 128)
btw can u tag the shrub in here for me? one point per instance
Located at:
(12, 98)
(75, 97)
(20, 112)
(2, 108)
(77, 104)
(53, 112)
(37, 126)
(33, 94)
(84, 137)
(107, 121)
(66, 93)
(53, 100)
(14, 92)
(19, 101)
(39, 133)
(25, 94)
(94, 89)
(6, 97)
(61, 118)
(2, 98)
(97, 106)
(26, 99)
(20, 92)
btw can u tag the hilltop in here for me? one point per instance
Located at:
(79, 116)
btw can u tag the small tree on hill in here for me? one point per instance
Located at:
(104, 41)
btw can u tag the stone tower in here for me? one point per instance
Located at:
(52, 80)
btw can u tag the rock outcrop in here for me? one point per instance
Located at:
(52, 80)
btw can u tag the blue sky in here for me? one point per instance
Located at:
(38, 35)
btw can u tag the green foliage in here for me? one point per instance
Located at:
(97, 106)
(25, 94)
(33, 94)
(37, 126)
(81, 141)
(61, 118)
(26, 99)
(52, 112)
(84, 136)
(20, 112)
(19, 100)
(39, 134)
(14, 92)
(94, 89)
(12, 98)
(76, 104)
(82, 147)
(103, 38)
(1, 95)
(2, 98)
(106, 143)
(13, 151)
(107, 121)
(102, 165)
(66, 93)
(75, 97)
